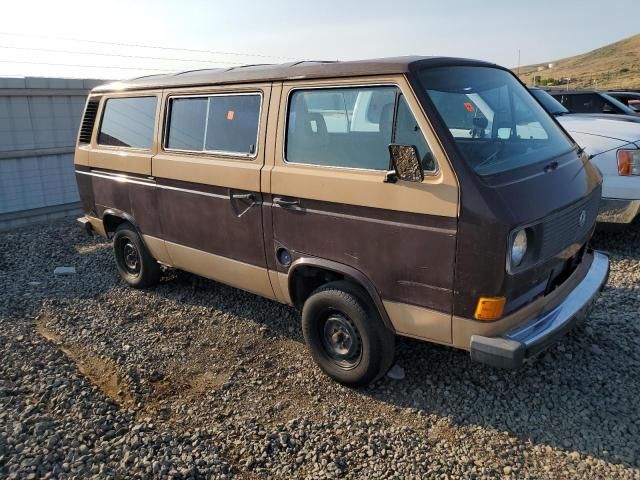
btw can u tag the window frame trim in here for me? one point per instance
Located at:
(103, 110)
(399, 91)
(210, 153)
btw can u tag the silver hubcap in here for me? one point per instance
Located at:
(341, 340)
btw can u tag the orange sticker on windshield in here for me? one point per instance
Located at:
(469, 107)
(230, 115)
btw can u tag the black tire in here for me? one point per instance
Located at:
(135, 264)
(330, 317)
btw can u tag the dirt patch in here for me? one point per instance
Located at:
(102, 373)
(207, 381)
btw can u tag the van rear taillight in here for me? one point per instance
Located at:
(89, 119)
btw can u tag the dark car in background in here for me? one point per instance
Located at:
(591, 101)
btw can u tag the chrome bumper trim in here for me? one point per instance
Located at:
(510, 349)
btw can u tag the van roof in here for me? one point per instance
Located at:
(284, 71)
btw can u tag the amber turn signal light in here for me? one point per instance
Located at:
(490, 308)
(628, 162)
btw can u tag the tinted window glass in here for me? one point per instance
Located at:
(408, 133)
(616, 106)
(186, 123)
(550, 104)
(587, 103)
(233, 123)
(342, 127)
(564, 100)
(218, 123)
(495, 122)
(128, 122)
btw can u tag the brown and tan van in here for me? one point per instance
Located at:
(424, 197)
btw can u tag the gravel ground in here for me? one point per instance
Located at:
(194, 379)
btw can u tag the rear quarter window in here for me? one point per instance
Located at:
(128, 122)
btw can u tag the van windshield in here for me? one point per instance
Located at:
(494, 121)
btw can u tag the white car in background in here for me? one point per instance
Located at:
(614, 146)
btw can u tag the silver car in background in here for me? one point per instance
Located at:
(613, 142)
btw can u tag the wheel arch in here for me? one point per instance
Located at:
(308, 273)
(112, 219)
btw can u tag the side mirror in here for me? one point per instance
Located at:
(406, 164)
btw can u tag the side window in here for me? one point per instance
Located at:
(341, 127)
(128, 122)
(186, 123)
(232, 125)
(587, 103)
(408, 133)
(217, 123)
(565, 100)
(351, 127)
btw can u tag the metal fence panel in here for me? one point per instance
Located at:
(39, 119)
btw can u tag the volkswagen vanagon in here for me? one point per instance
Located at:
(431, 198)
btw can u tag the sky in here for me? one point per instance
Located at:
(91, 39)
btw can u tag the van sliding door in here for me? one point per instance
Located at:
(207, 172)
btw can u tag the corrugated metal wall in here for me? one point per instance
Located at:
(39, 119)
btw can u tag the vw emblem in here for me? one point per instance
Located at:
(583, 218)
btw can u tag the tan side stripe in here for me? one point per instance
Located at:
(157, 248)
(419, 322)
(232, 272)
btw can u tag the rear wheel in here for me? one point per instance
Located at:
(135, 264)
(346, 335)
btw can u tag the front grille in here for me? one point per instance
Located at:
(86, 128)
(563, 228)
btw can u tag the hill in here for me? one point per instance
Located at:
(614, 66)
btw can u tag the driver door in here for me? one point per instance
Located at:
(329, 198)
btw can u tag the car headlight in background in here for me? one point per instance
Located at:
(628, 162)
(518, 248)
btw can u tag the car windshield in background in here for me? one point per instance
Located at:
(618, 104)
(496, 123)
(632, 100)
(549, 103)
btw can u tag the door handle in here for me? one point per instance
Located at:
(286, 203)
(243, 196)
(248, 197)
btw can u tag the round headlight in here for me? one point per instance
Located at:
(518, 248)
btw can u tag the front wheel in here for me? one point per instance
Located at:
(346, 335)
(135, 264)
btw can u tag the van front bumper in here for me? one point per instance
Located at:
(513, 347)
